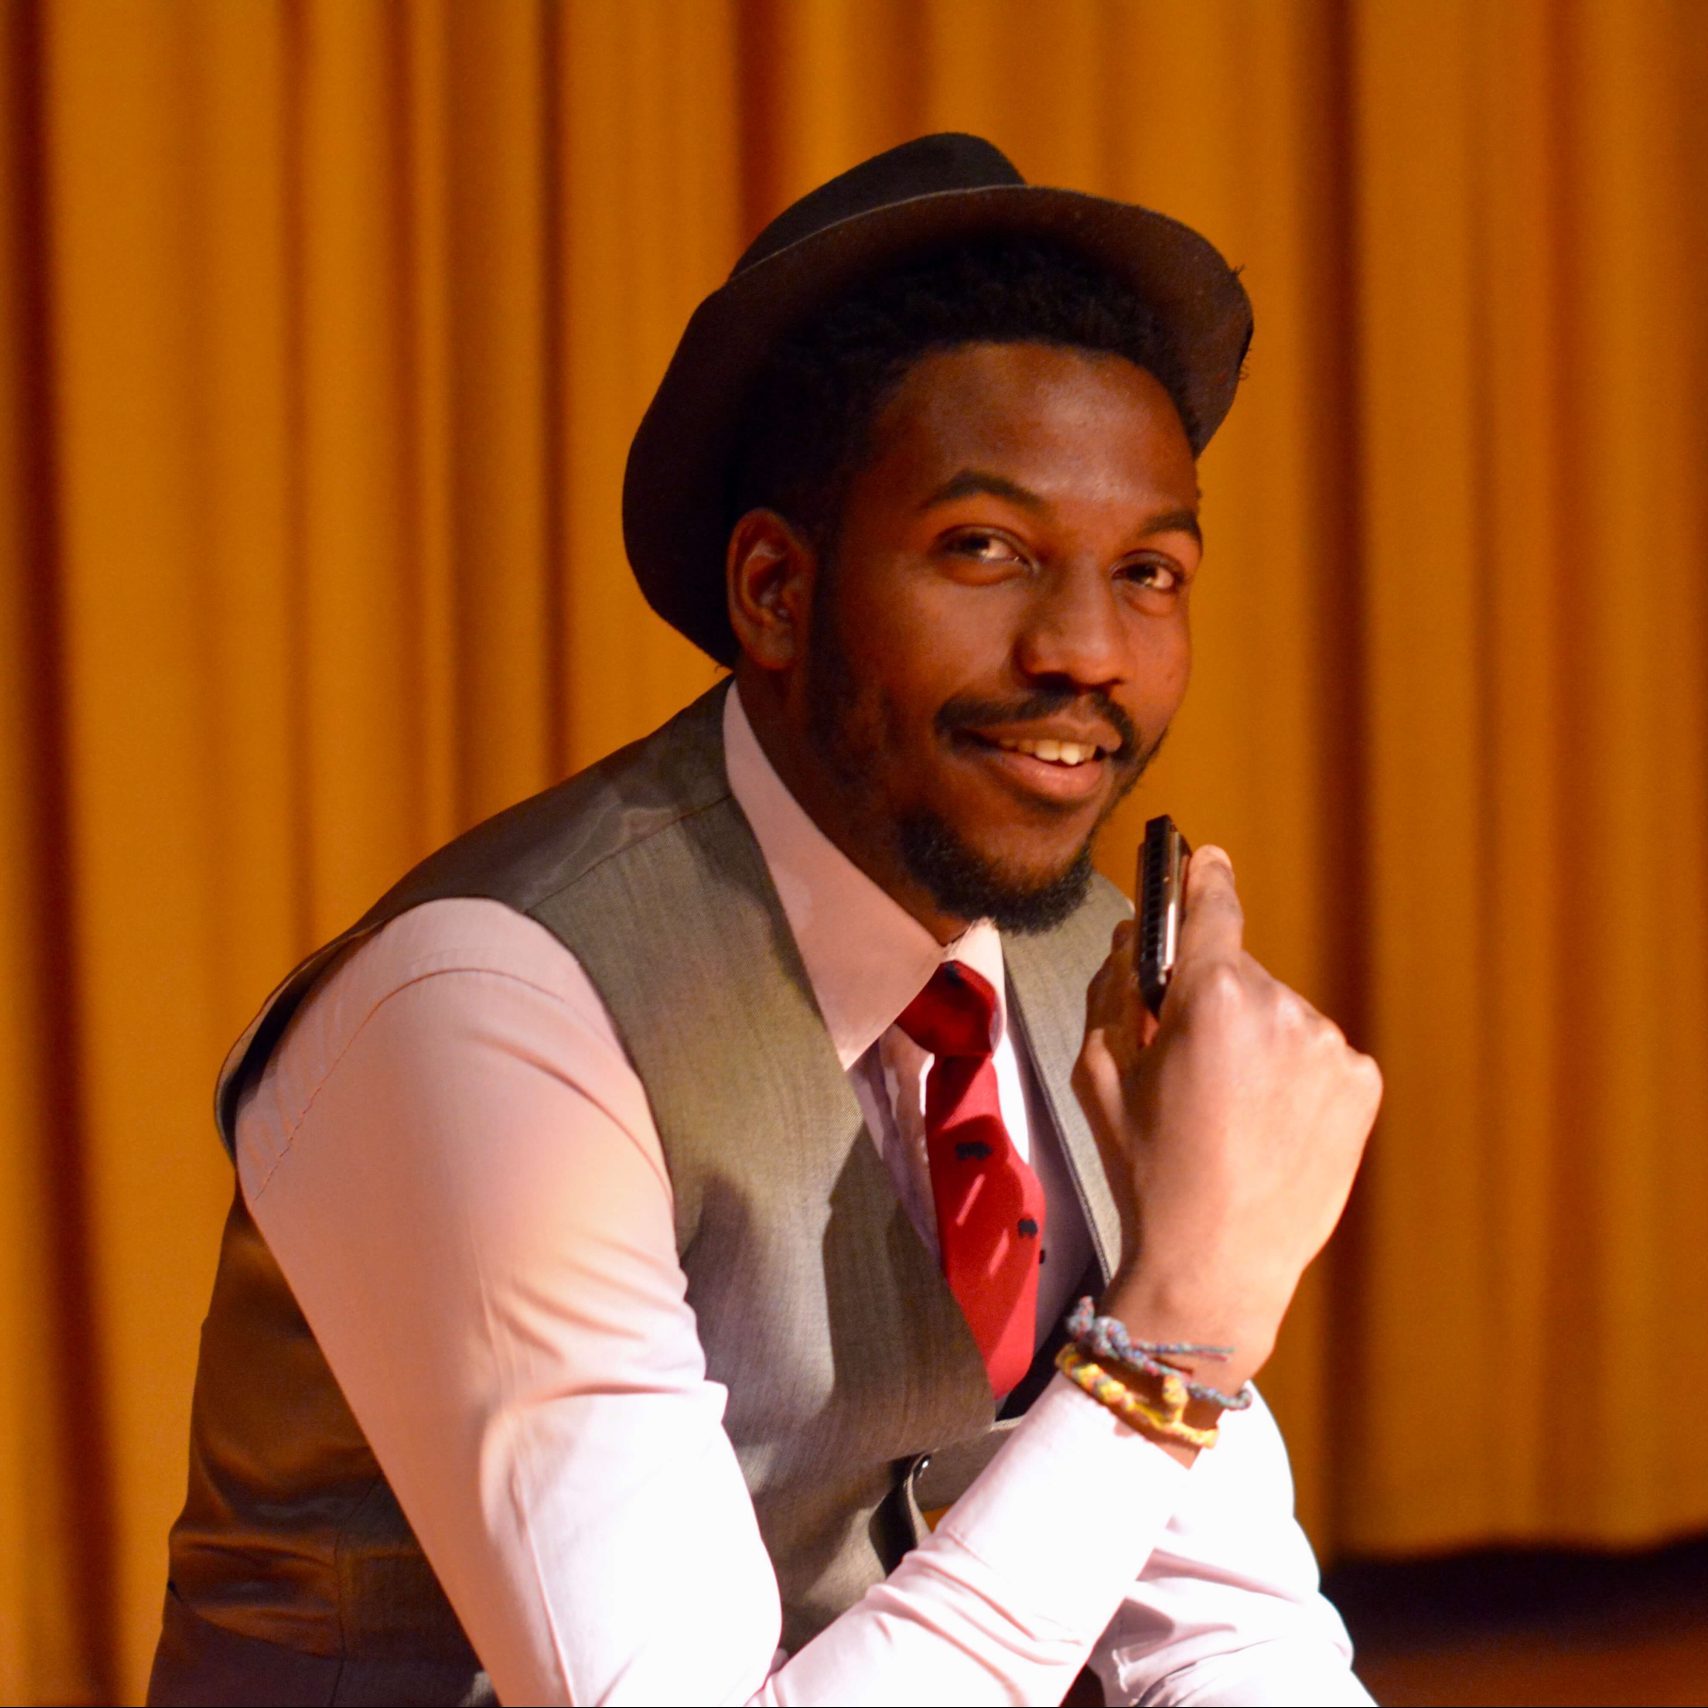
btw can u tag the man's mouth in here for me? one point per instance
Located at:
(1058, 770)
(1055, 752)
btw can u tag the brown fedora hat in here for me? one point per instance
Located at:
(922, 195)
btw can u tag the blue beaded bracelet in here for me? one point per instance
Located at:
(1106, 1337)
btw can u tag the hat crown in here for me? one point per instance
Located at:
(927, 165)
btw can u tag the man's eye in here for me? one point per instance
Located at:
(984, 548)
(1156, 574)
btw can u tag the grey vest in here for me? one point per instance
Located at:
(295, 1576)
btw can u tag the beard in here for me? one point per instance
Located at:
(965, 885)
(853, 735)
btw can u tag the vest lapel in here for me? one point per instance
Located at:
(1047, 978)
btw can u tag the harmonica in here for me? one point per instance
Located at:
(1161, 896)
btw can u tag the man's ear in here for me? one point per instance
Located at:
(770, 569)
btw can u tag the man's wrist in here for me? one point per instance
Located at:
(1154, 1308)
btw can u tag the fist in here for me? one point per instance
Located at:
(1231, 1126)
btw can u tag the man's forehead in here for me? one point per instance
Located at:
(1035, 424)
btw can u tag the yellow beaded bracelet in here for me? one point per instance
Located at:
(1162, 1422)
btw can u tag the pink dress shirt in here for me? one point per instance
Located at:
(456, 1167)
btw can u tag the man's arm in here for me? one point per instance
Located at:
(1238, 1116)
(1228, 1608)
(456, 1168)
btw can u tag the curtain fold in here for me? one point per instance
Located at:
(324, 325)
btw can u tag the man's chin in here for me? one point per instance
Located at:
(968, 885)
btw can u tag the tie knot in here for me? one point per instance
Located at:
(953, 1015)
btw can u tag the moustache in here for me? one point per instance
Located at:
(967, 713)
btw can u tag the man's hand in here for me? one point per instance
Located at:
(1236, 1122)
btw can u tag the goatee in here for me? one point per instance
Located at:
(966, 886)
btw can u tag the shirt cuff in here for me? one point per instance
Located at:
(1066, 1515)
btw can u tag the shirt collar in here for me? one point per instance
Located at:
(865, 955)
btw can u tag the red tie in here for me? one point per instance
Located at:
(990, 1206)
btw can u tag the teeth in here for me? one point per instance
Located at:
(1057, 752)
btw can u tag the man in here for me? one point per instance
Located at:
(647, 1209)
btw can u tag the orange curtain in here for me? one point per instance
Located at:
(323, 329)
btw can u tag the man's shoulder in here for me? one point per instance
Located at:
(1105, 905)
(544, 844)
(532, 851)
(1080, 939)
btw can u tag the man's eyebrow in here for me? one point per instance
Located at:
(971, 481)
(1176, 522)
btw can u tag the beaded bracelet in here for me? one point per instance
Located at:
(1106, 1338)
(1166, 1422)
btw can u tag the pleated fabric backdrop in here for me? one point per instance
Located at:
(325, 326)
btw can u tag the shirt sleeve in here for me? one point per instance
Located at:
(1228, 1609)
(457, 1170)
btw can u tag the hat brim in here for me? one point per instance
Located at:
(676, 485)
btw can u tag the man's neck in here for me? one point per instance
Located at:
(789, 748)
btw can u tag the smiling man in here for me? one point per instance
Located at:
(995, 676)
(656, 1218)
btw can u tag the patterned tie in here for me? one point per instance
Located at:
(990, 1205)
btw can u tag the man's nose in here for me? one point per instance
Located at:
(1075, 628)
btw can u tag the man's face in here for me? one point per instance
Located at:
(1001, 639)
